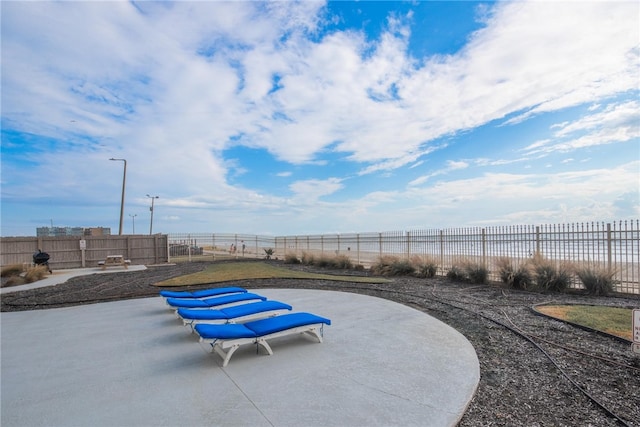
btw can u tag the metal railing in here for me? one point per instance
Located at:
(614, 246)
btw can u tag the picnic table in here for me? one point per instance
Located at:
(114, 261)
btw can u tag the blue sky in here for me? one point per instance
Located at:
(290, 118)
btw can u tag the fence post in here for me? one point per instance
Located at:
(408, 237)
(380, 244)
(609, 246)
(155, 247)
(484, 247)
(442, 249)
(257, 256)
(537, 240)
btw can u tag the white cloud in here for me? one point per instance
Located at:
(171, 86)
(451, 166)
(617, 123)
(313, 189)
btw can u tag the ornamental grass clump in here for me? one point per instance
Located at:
(307, 258)
(11, 270)
(323, 262)
(468, 271)
(597, 281)
(14, 274)
(456, 273)
(33, 274)
(291, 258)
(476, 272)
(550, 277)
(516, 277)
(425, 267)
(342, 262)
(392, 266)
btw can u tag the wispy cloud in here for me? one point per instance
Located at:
(617, 123)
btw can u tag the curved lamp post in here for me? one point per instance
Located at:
(153, 198)
(124, 180)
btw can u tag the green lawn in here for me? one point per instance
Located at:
(225, 272)
(612, 320)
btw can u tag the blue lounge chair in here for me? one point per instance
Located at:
(223, 300)
(226, 339)
(234, 314)
(204, 293)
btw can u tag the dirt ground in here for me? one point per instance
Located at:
(535, 371)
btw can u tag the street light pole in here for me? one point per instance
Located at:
(124, 180)
(133, 219)
(153, 198)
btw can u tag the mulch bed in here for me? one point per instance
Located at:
(531, 374)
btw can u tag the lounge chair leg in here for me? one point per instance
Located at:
(265, 345)
(314, 333)
(226, 356)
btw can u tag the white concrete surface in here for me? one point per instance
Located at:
(132, 363)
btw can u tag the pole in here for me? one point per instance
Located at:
(151, 209)
(133, 219)
(124, 180)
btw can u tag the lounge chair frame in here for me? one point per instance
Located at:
(273, 308)
(242, 319)
(226, 347)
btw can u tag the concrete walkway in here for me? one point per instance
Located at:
(132, 363)
(61, 276)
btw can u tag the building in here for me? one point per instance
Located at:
(72, 231)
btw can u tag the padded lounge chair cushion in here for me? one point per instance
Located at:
(212, 302)
(202, 293)
(259, 328)
(234, 311)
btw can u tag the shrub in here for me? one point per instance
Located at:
(291, 258)
(11, 270)
(505, 270)
(597, 280)
(36, 273)
(476, 273)
(382, 267)
(402, 267)
(14, 281)
(456, 272)
(307, 258)
(323, 262)
(514, 277)
(392, 266)
(522, 278)
(342, 262)
(549, 277)
(425, 268)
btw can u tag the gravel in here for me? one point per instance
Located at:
(535, 371)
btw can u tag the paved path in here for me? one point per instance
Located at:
(61, 276)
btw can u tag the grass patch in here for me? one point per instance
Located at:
(612, 320)
(225, 272)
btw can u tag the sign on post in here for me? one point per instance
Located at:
(635, 347)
